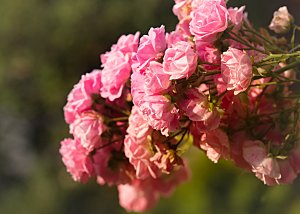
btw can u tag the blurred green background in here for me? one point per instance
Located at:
(45, 46)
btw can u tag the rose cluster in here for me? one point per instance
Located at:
(214, 83)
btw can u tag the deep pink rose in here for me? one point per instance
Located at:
(80, 98)
(88, 127)
(236, 69)
(208, 20)
(76, 159)
(180, 61)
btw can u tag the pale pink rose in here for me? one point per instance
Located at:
(160, 113)
(76, 159)
(265, 168)
(80, 99)
(115, 73)
(111, 166)
(282, 20)
(156, 80)
(139, 155)
(88, 128)
(182, 8)
(254, 152)
(287, 173)
(151, 48)
(138, 196)
(236, 16)
(196, 3)
(216, 145)
(209, 54)
(127, 44)
(209, 20)
(138, 127)
(236, 69)
(180, 61)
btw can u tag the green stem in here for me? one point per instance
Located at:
(119, 119)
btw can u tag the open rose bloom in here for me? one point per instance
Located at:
(214, 83)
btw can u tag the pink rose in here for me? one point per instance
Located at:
(236, 16)
(138, 127)
(180, 61)
(175, 36)
(115, 73)
(88, 128)
(127, 44)
(160, 113)
(151, 48)
(111, 166)
(156, 80)
(236, 69)
(282, 20)
(182, 8)
(117, 66)
(80, 99)
(76, 159)
(254, 152)
(208, 20)
(138, 196)
(210, 55)
(196, 107)
(137, 88)
(139, 155)
(216, 145)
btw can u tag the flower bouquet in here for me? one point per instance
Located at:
(215, 83)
